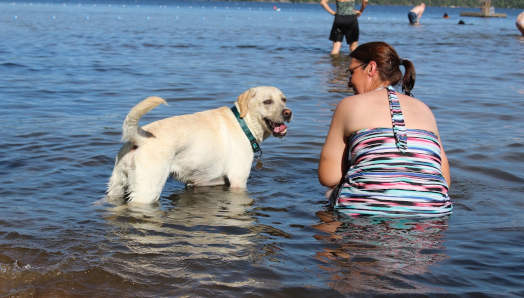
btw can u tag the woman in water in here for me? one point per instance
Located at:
(383, 154)
(345, 23)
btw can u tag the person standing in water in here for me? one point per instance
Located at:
(345, 23)
(415, 14)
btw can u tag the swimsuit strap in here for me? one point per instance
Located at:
(399, 128)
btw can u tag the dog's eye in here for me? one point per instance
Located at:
(268, 102)
(284, 99)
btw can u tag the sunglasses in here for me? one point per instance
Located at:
(350, 71)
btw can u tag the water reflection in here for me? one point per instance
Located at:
(338, 79)
(205, 235)
(205, 222)
(376, 254)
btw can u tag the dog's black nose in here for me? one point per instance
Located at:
(287, 114)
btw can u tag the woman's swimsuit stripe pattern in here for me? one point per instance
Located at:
(389, 178)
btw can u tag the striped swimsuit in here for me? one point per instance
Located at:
(393, 172)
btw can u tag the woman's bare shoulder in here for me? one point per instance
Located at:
(358, 99)
(417, 114)
(414, 103)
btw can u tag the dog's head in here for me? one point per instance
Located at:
(266, 105)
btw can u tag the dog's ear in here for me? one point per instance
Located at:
(243, 100)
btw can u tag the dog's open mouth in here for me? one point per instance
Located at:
(278, 129)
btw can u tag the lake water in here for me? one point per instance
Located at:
(70, 72)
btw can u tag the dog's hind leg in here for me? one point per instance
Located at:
(148, 181)
(119, 178)
(116, 185)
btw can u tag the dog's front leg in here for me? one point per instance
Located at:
(238, 173)
(238, 182)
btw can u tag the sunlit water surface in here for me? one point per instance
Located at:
(70, 72)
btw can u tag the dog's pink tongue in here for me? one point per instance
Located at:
(280, 128)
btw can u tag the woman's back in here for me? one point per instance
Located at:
(394, 170)
(383, 153)
(372, 109)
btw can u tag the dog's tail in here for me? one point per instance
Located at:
(130, 130)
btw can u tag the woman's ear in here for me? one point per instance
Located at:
(372, 68)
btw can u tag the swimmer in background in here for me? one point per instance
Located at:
(446, 16)
(415, 14)
(345, 23)
(520, 23)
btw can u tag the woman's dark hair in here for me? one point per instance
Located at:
(388, 64)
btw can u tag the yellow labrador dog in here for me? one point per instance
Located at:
(206, 148)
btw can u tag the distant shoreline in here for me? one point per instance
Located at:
(428, 3)
(510, 4)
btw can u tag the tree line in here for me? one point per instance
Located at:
(447, 3)
(443, 3)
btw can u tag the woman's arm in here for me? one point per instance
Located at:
(445, 164)
(432, 122)
(364, 4)
(333, 163)
(324, 4)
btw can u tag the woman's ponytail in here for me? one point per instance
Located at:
(388, 64)
(408, 80)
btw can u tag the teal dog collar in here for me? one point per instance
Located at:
(252, 140)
